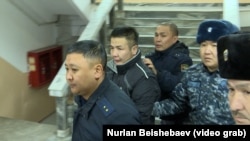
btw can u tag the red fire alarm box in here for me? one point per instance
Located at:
(43, 64)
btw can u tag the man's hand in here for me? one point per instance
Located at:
(150, 65)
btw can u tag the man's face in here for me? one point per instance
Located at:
(121, 51)
(164, 38)
(239, 100)
(80, 75)
(208, 54)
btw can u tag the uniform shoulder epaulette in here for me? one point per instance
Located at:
(105, 106)
(179, 54)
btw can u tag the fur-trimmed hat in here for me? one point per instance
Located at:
(212, 29)
(233, 56)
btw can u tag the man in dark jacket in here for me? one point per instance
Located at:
(169, 61)
(128, 71)
(99, 100)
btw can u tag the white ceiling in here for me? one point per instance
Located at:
(42, 11)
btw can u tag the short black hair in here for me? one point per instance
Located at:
(90, 49)
(128, 32)
(173, 27)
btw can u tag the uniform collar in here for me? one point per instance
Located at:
(86, 105)
(166, 51)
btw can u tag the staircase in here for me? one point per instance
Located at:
(145, 17)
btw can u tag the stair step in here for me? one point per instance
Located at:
(188, 31)
(152, 36)
(152, 46)
(180, 22)
(173, 7)
(174, 14)
(148, 39)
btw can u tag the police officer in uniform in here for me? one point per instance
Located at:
(99, 100)
(169, 61)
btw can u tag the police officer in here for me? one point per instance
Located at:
(234, 65)
(169, 60)
(99, 100)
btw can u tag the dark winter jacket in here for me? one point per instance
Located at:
(107, 105)
(139, 82)
(171, 65)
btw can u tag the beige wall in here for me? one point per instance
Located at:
(19, 101)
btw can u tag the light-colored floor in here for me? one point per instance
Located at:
(51, 119)
(22, 130)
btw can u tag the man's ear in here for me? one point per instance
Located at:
(98, 68)
(134, 49)
(175, 38)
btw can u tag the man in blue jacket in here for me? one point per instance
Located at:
(169, 61)
(99, 100)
